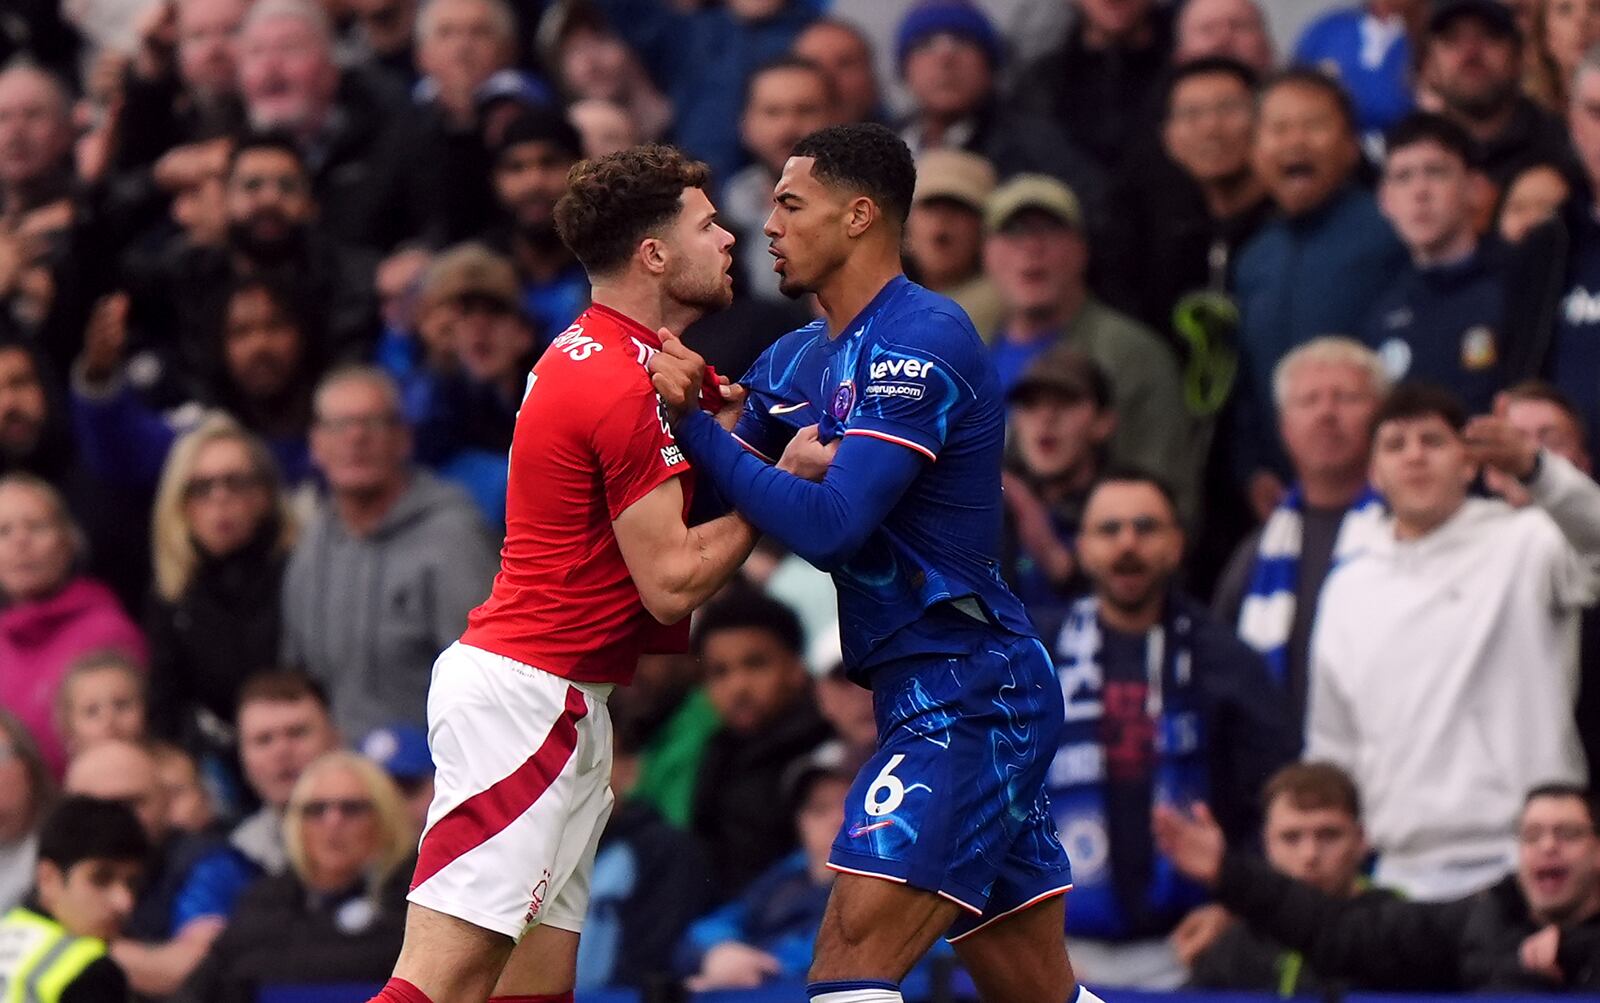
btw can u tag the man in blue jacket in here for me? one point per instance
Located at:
(1163, 706)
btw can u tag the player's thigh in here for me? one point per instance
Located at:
(1021, 957)
(544, 963)
(874, 928)
(449, 959)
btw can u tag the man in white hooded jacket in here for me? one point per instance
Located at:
(1445, 657)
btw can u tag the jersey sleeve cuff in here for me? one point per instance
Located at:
(892, 431)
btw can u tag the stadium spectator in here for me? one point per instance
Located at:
(52, 615)
(265, 359)
(36, 137)
(1430, 712)
(1327, 392)
(1534, 195)
(786, 100)
(1560, 32)
(183, 83)
(402, 752)
(1163, 705)
(1226, 29)
(283, 724)
(1438, 320)
(338, 915)
(1062, 417)
(91, 860)
(949, 55)
(221, 535)
(668, 706)
(1367, 48)
(1181, 222)
(592, 61)
(190, 883)
(944, 232)
(536, 151)
(1036, 253)
(102, 697)
(766, 933)
(189, 804)
(844, 704)
(751, 647)
(1471, 60)
(1313, 271)
(348, 124)
(845, 54)
(1553, 283)
(386, 571)
(704, 56)
(1311, 833)
(385, 31)
(1099, 83)
(1537, 930)
(603, 125)
(651, 879)
(25, 794)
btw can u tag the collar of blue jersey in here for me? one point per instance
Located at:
(861, 321)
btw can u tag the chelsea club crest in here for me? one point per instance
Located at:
(844, 399)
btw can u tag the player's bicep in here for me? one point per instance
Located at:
(650, 534)
(635, 450)
(914, 393)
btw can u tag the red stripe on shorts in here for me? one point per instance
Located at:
(474, 821)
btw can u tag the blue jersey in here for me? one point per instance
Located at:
(910, 369)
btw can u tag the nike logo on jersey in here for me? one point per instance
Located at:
(857, 831)
(787, 408)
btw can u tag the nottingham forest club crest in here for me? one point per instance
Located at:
(844, 399)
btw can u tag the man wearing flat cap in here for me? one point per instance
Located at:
(944, 234)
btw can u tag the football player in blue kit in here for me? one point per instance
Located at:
(947, 830)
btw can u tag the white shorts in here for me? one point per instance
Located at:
(522, 792)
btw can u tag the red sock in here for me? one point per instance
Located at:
(565, 997)
(400, 991)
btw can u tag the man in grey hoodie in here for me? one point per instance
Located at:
(389, 566)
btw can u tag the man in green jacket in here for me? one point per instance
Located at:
(53, 946)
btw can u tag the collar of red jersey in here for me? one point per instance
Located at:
(630, 326)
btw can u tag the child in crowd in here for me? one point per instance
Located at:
(102, 696)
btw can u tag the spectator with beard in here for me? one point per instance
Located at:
(1163, 705)
(266, 363)
(1315, 269)
(1471, 60)
(465, 408)
(183, 87)
(786, 99)
(349, 127)
(272, 232)
(535, 153)
(845, 55)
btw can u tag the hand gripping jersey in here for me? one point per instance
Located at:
(591, 439)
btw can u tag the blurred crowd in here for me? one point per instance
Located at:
(1300, 341)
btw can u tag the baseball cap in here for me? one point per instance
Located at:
(953, 17)
(540, 124)
(402, 751)
(1496, 15)
(470, 271)
(1032, 191)
(1063, 370)
(956, 175)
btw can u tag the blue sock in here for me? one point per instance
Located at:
(853, 991)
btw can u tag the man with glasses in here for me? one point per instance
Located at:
(1163, 704)
(1535, 930)
(388, 567)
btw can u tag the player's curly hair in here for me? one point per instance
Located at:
(615, 201)
(867, 158)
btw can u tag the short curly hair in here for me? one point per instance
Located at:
(867, 158)
(615, 201)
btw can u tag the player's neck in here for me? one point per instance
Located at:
(848, 290)
(646, 304)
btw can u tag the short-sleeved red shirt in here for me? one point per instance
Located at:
(591, 439)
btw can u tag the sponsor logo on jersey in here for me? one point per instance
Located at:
(911, 369)
(908, 390)
(844, 399)
(671, 455)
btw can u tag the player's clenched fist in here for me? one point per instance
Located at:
(677, 372)
(807, 456)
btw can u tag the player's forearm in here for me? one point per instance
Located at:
(707, 556)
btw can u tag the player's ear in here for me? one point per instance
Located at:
(653, 253)
(861, 215)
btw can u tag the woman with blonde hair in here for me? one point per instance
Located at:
(338, 914)
(1561, 31)
(220, 538)
(50, 614)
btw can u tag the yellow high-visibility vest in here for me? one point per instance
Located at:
(39, 959)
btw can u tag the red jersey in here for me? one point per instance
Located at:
(591, 439)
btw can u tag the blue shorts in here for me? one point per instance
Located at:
(953, 802)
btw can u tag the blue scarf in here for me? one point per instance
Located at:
(1078, 775)
(1266, 617)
